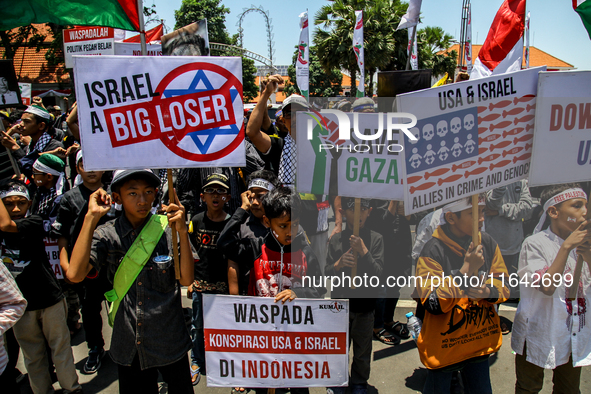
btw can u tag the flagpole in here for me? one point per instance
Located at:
(140, 12)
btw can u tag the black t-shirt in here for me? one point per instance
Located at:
(70, 215)
(272, 157)
(212, 266)
(24, 255)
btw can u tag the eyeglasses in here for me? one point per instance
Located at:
(211, 190)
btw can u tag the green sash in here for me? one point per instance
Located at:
(133, 262)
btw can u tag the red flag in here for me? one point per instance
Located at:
(154, 34)
(503, 48)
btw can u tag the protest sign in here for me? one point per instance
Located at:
(366, 165)
(563, 120)
(135, 49)
(157, 112)
(255, 342)
(190, 40)
(25, 89)
(473, 136)
(53, 254)
(9, 90)
(88, 41)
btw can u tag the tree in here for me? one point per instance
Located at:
(194, 10)
(383, 46)
(322, 84)
(432, 45)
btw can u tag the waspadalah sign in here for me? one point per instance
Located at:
(88, 41)
(255, 342)
(563, 119)
(160, 112)
(365, 163)
(473, 136)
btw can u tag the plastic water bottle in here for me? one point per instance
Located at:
(414, 325)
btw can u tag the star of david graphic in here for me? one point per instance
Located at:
(204, 138)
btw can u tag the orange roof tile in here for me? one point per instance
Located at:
(537, 58)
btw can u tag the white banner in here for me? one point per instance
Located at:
(414, 61)
(411, 18)
(53, 254)
(468, 43)
(473, 136)
(88, 41)
(160, 112)
(358, 50)
(303, 61)
(562, 145)
(255, 342)
(25, 92)
(135, 49)
(367, 165)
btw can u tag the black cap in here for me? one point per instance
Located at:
(120, 176)
(217, 179)
(349, 202)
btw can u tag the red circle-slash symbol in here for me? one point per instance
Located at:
(231, 81)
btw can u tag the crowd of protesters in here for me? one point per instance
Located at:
(113, 231)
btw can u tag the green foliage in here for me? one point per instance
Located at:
(249, 87)
(322, 83)
(194, 10)
(431, 41)
(384, 47)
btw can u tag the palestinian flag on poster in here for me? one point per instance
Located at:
(122, 14)
(583, 8)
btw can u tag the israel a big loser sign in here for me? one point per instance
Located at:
(160, 112)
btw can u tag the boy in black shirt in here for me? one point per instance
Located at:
(149, 331)
(44, 322)
(211, 268)
(70, 216)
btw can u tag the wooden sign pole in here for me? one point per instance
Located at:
(356, 217)
(475, 231)
(175, 245)
(579, 266)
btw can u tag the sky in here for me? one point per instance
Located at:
(555, 27)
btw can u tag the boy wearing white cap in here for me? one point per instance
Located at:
(36, 123)
(550, 329)
(460, 283)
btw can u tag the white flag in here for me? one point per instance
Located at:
(411, 18)
(414, 60)
(358, 49)
(468, 43)
(527, 41)
(303, 61)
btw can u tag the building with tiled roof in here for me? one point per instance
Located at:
(537, 58)
(31, 66)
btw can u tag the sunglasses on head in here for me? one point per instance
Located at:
(211, 190)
